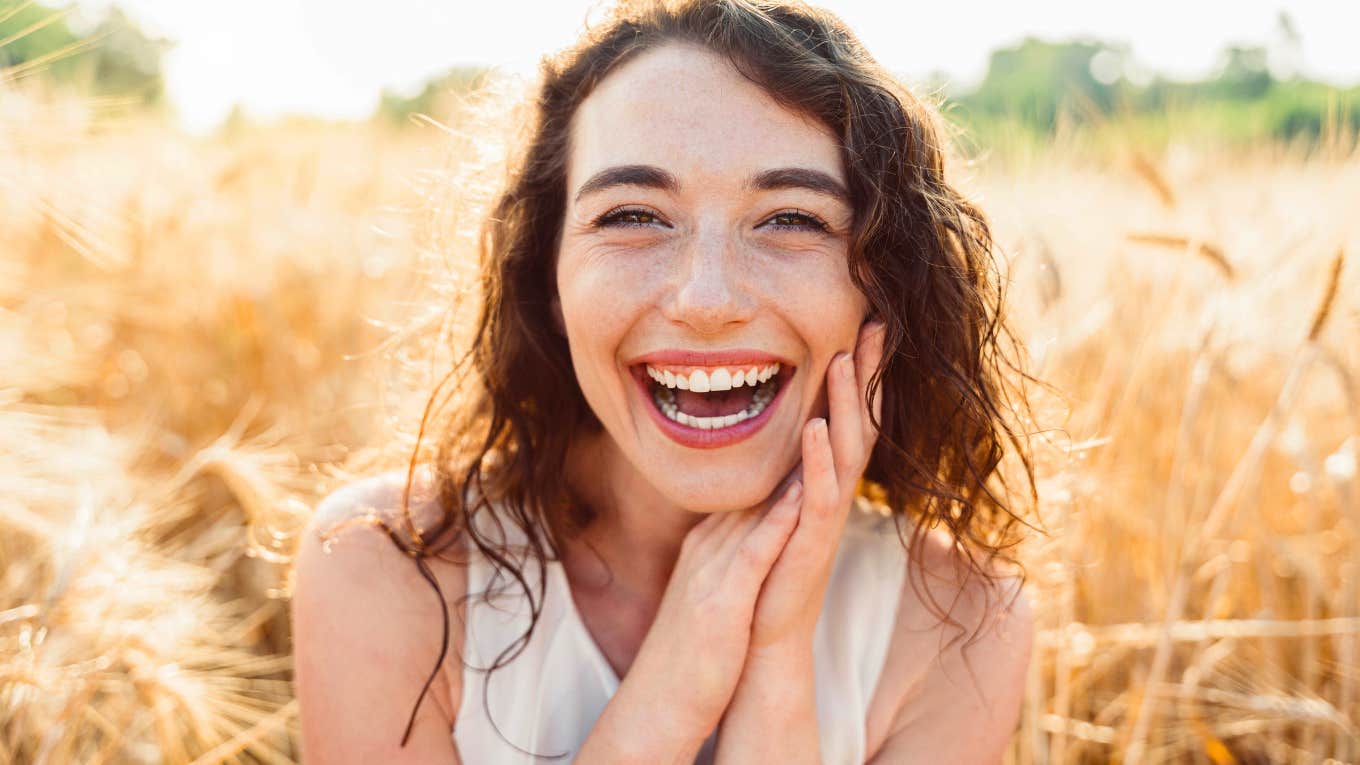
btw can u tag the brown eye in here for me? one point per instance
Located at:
(627, 217)
(798, 221)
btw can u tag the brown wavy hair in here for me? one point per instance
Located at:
(951, 378)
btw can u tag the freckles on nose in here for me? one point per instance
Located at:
(710, 287)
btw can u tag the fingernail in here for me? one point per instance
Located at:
(795, 490)
(847, 369)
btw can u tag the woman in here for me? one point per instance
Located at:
(728, 294)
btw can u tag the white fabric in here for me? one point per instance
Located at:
(547, 699)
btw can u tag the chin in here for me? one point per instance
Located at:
(721, 494)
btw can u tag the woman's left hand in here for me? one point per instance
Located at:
(834, 457)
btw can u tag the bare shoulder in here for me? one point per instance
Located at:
(367, 632)
(951, 689)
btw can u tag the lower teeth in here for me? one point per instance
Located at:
(665, 401)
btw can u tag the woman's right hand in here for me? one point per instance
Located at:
(688, 665)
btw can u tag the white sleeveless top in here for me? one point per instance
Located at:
(546, 700)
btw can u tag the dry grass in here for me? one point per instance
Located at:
(192, 335)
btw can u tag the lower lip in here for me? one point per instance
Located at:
(698, 438)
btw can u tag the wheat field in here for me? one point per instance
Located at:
(203, 336)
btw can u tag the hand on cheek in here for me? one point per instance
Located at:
(835, 452)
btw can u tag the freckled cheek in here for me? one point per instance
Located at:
(606, 295)
(825, 309)
(603, 297)
(600, 305)
(820, 299)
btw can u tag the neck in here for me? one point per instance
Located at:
(634, 541)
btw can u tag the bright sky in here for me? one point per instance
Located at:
(332, 57)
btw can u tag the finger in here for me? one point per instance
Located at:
(729, 537)
(721, 531)
(868, 356)
(794, 475)
(730, 533)
(761, 547)
(846, 418)
(708, 527)
(821, 485)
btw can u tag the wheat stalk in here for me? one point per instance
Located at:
(1148, 172)
(1324, 307)
(1211, 252)
(1143, 635)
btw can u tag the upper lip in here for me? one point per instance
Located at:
(718, 358)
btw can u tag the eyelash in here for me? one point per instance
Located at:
(814, 223)
(615, 217)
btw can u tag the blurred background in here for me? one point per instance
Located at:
(235, 252)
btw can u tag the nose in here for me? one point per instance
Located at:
(710, 294)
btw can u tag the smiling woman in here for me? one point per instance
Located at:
(730, 305)
(708, 235)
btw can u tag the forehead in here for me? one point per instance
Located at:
(688, 110)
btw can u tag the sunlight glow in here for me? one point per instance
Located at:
(331, 57)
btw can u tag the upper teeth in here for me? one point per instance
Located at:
(713, 378)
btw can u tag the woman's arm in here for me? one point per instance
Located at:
(366, 634)
(638, 726)
(773, 716)
(688, 666)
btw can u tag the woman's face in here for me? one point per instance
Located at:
(704, 245)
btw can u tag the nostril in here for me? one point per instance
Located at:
(707, 290)
(709, 308)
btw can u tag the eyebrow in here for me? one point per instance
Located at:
(801, 178)
(648, 176)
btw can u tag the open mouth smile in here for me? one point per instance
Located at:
(713, 404)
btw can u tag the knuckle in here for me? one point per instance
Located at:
(751, 553)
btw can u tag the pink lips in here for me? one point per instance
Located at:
(735, 357)
(697, 438)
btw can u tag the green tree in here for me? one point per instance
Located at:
(435, 99)
(115, 58)
(1029, 86)
(1244, 73)
(35, 39)
(1037, 80)
(126, 61)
